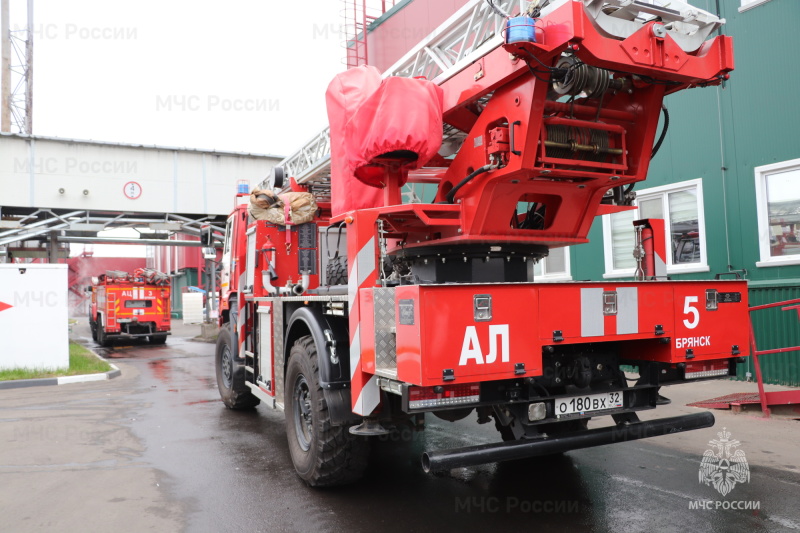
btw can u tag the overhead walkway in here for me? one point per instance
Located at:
(70, 189)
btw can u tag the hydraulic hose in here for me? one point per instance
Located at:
(658, 143)
(452, 194)
(663, 132)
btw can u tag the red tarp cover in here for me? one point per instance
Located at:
(402, 114)
(344, 95)
(368, 119)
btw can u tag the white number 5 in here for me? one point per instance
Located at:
(689, 310)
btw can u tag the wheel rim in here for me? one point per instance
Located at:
(227, 367)
(302, 412)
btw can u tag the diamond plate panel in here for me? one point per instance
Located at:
(385, 328)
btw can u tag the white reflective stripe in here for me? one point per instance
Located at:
(592, 320)
(355, 352)
(627, 310)
(366, 261)
(661, 266)
(363, 267)
(368, 398)
(352, 285)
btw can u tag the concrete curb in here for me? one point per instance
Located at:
(64, 380)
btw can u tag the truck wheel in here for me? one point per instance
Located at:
(230, 374)
(157, 339)
(336, 271)
(102, 338)
(323, 455)
(93, 327)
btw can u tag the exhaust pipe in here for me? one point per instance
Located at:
(509, 451)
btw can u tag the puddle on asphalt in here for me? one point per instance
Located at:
(161, 369)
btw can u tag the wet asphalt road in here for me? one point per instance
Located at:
(231, 471)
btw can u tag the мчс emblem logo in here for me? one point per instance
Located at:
(723, 466)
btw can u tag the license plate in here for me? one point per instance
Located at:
(589, 403)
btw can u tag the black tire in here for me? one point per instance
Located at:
(336, 271)
(157, 339)
(102, 338)
(323, 455)
(230, 374)
(93, 327)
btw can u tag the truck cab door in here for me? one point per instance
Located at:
(226, 266)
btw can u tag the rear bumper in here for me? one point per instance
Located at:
(135, 335)
(508, 451)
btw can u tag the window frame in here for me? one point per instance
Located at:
(661, 192)
(750, 4)
(762, 212)
(566, 275)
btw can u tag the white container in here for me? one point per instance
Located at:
(33, 316)
(192, 307)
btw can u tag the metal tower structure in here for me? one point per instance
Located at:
(17, 73)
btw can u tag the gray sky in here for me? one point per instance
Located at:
(243, 75)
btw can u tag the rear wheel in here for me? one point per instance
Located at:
(230, 374)
(157, 339)
(322, 454)
(93, 327)
(102, 338)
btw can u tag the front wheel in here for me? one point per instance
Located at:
(323, 455)
(230, 374)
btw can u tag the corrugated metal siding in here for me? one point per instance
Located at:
(775, 329)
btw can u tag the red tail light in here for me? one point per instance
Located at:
(443, 395)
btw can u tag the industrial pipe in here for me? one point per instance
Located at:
(151, 242)
(509, 451)
(300, 288)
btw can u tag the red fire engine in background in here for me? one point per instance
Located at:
(130, 306)
(378, 312)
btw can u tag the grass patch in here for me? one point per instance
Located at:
(81, 361)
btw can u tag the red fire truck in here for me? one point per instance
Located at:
(130, 306)
(377, 312)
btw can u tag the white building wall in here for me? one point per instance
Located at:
(61, 173)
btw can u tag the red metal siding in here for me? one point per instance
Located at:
(399, 33)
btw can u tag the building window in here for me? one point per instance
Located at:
(554, 267)
(778, 207)
(681, 207)
(750, 4)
